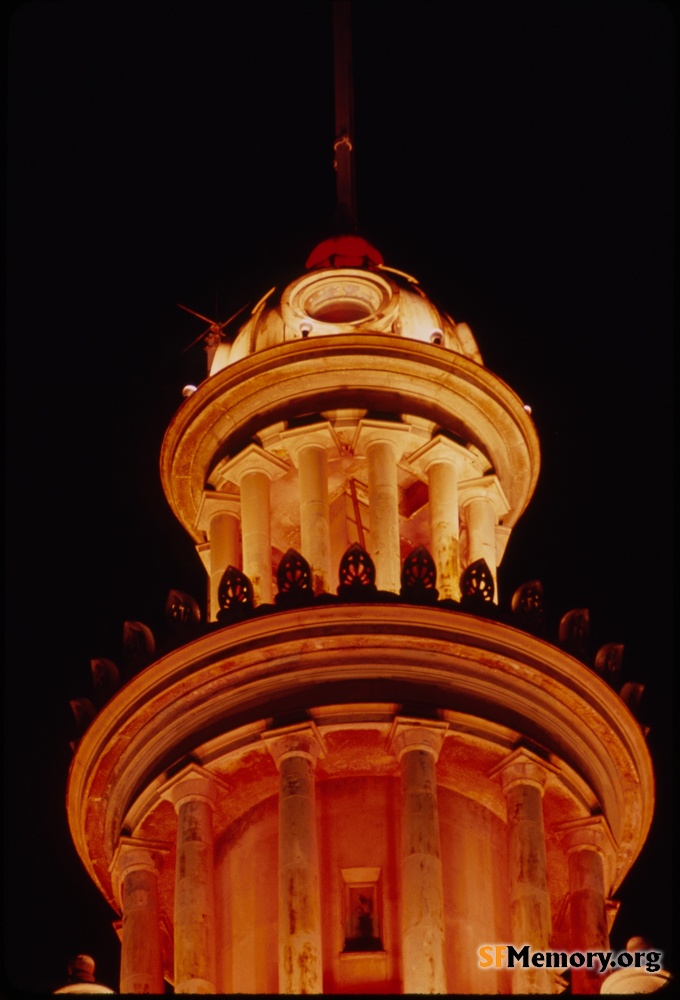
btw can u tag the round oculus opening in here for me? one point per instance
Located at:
(340, 302)
(342, 311)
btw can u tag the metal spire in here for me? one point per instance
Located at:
(346, 213)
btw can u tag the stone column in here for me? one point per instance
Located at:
(253, 470)
(383, 443)
(417, 748)
(443, 462)
(523, 778)
(308, 450)
(482, 503)
(590, 850)
(220, 517)
(135, 870)
(193, 793)
(256, 534)
(295, 750)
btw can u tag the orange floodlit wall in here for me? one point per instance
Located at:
(359, 839)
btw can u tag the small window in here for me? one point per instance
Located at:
(362, 904)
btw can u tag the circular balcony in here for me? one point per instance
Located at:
(494, 688)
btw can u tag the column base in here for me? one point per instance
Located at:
(195, 986)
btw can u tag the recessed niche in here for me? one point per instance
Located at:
(362, 905)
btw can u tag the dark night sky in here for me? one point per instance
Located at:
(517, 157)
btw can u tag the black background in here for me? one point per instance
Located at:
(517, 157)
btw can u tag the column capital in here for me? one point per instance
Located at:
(298, 740)
(193, 784)
(251, 459)
(441, 449)
(522, 767)
(484, 488)
(589, 833)
(215, 502)
(136, 854)
(370, 432)
(416, 734)
(317, 435)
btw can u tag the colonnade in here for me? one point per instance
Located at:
(295, 750)
(238, 526)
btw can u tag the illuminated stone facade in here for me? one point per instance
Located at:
(351, 790)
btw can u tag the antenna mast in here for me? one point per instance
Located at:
(346, 213)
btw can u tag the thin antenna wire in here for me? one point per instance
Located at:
(346, 213)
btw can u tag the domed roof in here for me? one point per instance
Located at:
(347, 289)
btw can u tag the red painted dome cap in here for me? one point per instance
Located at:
(344, 251)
